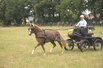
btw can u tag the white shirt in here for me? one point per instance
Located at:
(82, 23)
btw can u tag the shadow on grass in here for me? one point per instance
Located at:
(74, 51)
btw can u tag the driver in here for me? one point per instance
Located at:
(82, 22)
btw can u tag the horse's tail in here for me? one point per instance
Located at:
(63, 42)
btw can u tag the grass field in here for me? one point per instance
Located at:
(16, 47)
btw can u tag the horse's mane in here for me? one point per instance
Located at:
(36, 26)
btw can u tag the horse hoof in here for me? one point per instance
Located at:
(51, 50)
(62, 52)
(44, 54)
(32, 52)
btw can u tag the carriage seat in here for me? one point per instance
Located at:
(88, 34)
(81, 32)
(84, 32)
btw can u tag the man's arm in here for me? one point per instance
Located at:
(78, 24)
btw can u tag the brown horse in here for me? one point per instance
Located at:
(44, 36)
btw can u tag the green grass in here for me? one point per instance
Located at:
(16, 47)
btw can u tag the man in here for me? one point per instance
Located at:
(82, 22)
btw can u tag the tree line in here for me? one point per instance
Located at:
(17, 12)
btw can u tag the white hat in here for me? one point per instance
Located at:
(81, 15)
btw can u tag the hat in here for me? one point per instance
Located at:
(81, 15)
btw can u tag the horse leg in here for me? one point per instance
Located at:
(53, 46)
(35, 48)
(43, 49)
(61, 46)
(89, 47)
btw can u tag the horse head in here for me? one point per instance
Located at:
(33, 29)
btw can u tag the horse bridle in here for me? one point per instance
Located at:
(31, 30)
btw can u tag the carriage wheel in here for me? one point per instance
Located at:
(70, 44)
(83, 45)
(98, 44)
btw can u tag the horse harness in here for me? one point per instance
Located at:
(46, 37)
(42, 36)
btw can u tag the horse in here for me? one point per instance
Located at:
(43, 36)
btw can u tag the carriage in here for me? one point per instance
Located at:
(84, 40)
(80, 36)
